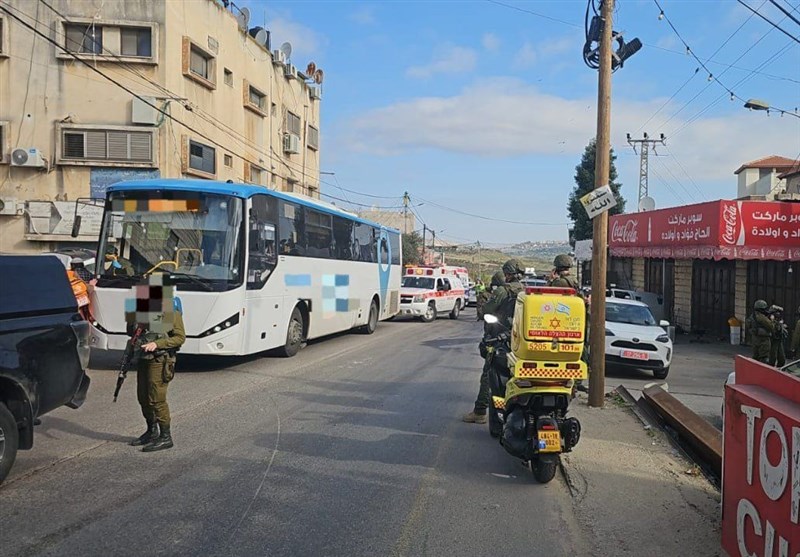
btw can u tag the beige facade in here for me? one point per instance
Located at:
(232, 110)
(683, 293)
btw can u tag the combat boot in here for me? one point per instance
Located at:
(163, 441)
(147, 437)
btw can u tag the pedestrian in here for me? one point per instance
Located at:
(163, 335)
(777, 353)
(761, 328)
(498, 279)
(561, 275)
(501, 305)
(794, 346)
(480, 288)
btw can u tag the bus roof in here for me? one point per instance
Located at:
(244, 191)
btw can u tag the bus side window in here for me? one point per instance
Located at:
(343, 238)
(262, 238)
(364, 243)
(292, 229)
(394, 242)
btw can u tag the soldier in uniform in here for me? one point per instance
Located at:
(794, 346)
(561, 276)
(498, 279)
(761, 329)
(777, 349)
(501, 305)
(164, 335)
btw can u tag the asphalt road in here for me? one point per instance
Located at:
(354, 447)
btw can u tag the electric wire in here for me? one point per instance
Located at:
(788, 14)
(765, 18)
(492, 219)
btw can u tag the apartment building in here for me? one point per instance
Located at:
(92, 93)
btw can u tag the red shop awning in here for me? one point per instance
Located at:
(713, 230)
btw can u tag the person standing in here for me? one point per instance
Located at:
(561, 276)
(777, 351)
(163, 334)
(761, 330)
(794, 346)
(501, 305)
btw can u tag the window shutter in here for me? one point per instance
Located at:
(118, 145)
(74, 145)
(95, 145)
(141, 146)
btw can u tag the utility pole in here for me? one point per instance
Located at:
(597, 336)
(645, 145)
(405, 212)
(424, 230)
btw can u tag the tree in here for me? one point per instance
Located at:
(412, 249)
(584, 183)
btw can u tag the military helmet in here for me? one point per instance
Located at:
(562, 261)
(511, 267)
(498, 279)
(760, 305)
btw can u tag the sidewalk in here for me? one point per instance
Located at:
(633, 493)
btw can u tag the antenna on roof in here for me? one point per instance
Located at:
(260, 35)
(286, 48)
(319, 75)
(243, 18)
(310, 69)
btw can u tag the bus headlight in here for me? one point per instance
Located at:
(227, 324)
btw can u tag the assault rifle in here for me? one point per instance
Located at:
(133, 351)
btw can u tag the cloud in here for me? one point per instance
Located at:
(669, 42)
(507, 117)
(451, 60)
(365, 15)
(490, 42)
(526, 56)
(305, 41)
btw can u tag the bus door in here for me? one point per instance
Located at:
(263, 308)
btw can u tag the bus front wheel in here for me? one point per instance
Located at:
(372, 322)
(294, 335)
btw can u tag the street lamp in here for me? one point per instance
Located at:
(757, 104)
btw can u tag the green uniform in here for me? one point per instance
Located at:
(155, 372)
(498, 305)
(777, 351)
(564, 281)
(761, 335)
(794, 346)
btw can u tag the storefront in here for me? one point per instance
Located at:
(711, 261)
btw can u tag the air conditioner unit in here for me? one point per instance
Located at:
(30, 157)
(290, 71)
(315, 92)
(8, 206)
(291, 143)
(278, 57)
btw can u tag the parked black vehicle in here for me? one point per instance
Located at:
(44, 349)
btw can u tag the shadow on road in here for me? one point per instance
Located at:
(51, 425)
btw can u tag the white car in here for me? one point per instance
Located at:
(634, 338)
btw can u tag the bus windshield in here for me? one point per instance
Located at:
(195, 237)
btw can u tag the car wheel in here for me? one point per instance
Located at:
(456, 310)
(661, 373)
(9, 441)
(430, 313)
(294, 335)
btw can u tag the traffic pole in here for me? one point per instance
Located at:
(597, 325)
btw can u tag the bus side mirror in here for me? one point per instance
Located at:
(76, 226)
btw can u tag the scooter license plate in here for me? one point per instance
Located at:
(549, 441)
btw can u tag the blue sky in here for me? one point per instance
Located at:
(486, 109)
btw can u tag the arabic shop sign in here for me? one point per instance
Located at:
(758, 226)
(598, 201)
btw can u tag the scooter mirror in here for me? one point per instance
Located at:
(490, 319)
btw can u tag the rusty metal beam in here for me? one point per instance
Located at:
(698, 433)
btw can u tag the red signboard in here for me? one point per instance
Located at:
(761, 463)
(713, 230)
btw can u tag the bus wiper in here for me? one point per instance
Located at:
(193, 278)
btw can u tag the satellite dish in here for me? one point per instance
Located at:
(243, 18)
(319, 75)
(260, 34)
(286, 48)
(312, 67)
(647, 204)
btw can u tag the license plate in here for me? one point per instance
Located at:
(635, 355)
(549, 441)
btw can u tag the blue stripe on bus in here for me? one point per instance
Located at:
(297, 280)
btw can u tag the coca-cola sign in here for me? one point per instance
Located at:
(731, 223)
(625, 232)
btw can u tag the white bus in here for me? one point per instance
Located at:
(255, 269)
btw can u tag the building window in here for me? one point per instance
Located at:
(256, 175)
(136, 41)
(227, 160)
(313, 138)
(293, 124)
(254, 98)
(199, 64)
(84, 38)
(115, 146)
(228, 77)
(2, 39)
(3, 142)
(202, 158)
(291, 185)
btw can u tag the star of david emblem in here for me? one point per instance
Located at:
(555, 323)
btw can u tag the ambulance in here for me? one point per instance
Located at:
(427, 292)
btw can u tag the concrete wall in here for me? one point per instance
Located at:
(683, 293)
(41, 87)
(750, 182)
